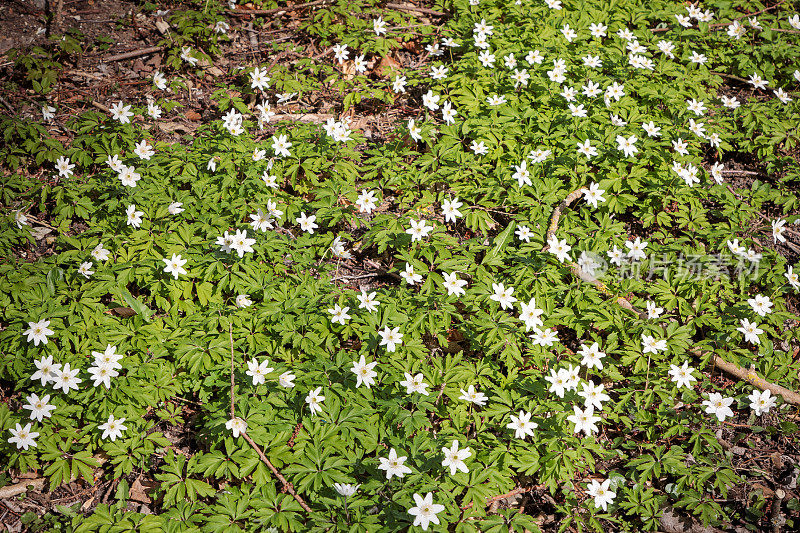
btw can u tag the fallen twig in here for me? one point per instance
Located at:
(132, 54)
(288, 487)
(9, 491)
(732, 369)
(424, 10)
(285, 9)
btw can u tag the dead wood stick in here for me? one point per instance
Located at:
(10, 491)
(286, 9)
(732, 369)
(132, 54)
(424, 10)
(751, 377)
(288, 487)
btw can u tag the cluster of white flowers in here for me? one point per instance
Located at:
(105, 367)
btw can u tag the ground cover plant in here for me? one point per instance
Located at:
(368, 266)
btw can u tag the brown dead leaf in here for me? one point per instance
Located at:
(138, 492)
(387, 66)
(124, 312)
(193, 115)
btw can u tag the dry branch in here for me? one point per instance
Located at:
(9, 491)
(273, 11)
(133, 53)
(410, 7)
(732, 369)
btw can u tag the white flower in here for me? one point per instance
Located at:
(559, 248)
(473, 396)
(778, 229)
(718, 406)
(128, 176)
(593, 194)
(584, 420)
(487, 59)
(430, 100)
(636, 249)
(415, 384)
(593, 395)
(479, 148)
(651, 345)
(414, 130)
(682, 375)
(38, 332)
(48, 112)
(109, 357)
(20, 219)
(134, 217)
(410, 276)
(454, 458)
(281, 145)
(598, 30)
(286, 380)
(258, 371)
(186, 55)
(66, 379)
(439, 73)
(314, 400)
(345, 489)
(651, 129)
(495, 100)
(502, 295)
(394, 465)
(522, 425)
(366, 300)
(339, 314)
(360, 64)
(757, 81)
(653, 311)
(159, 80)
(546, 337)
(448, 113)
(174, 265)
(364, 372)
(39, 407)
(761, 402)
(366, 201)
(425, 511)
(454, 285)
(399, 84)
(418, 230)
(113, 428)
(793, 278)
(587, 149)
(121, 112)
(751, 331)
(524, 233)
(24, 438)
(627, 145)
(144, 150)
(761, 304)
(102, 373)
(46, 370)
(520, 77)
(175, 208)
(243, 300)
(307, 222)
(794, 21)
(259, 79)
(522, 174)
(390, 338)
(64, 167)
(239, 242)
(601, 493)
(340, 52)
(592, 356)
(237, 426)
